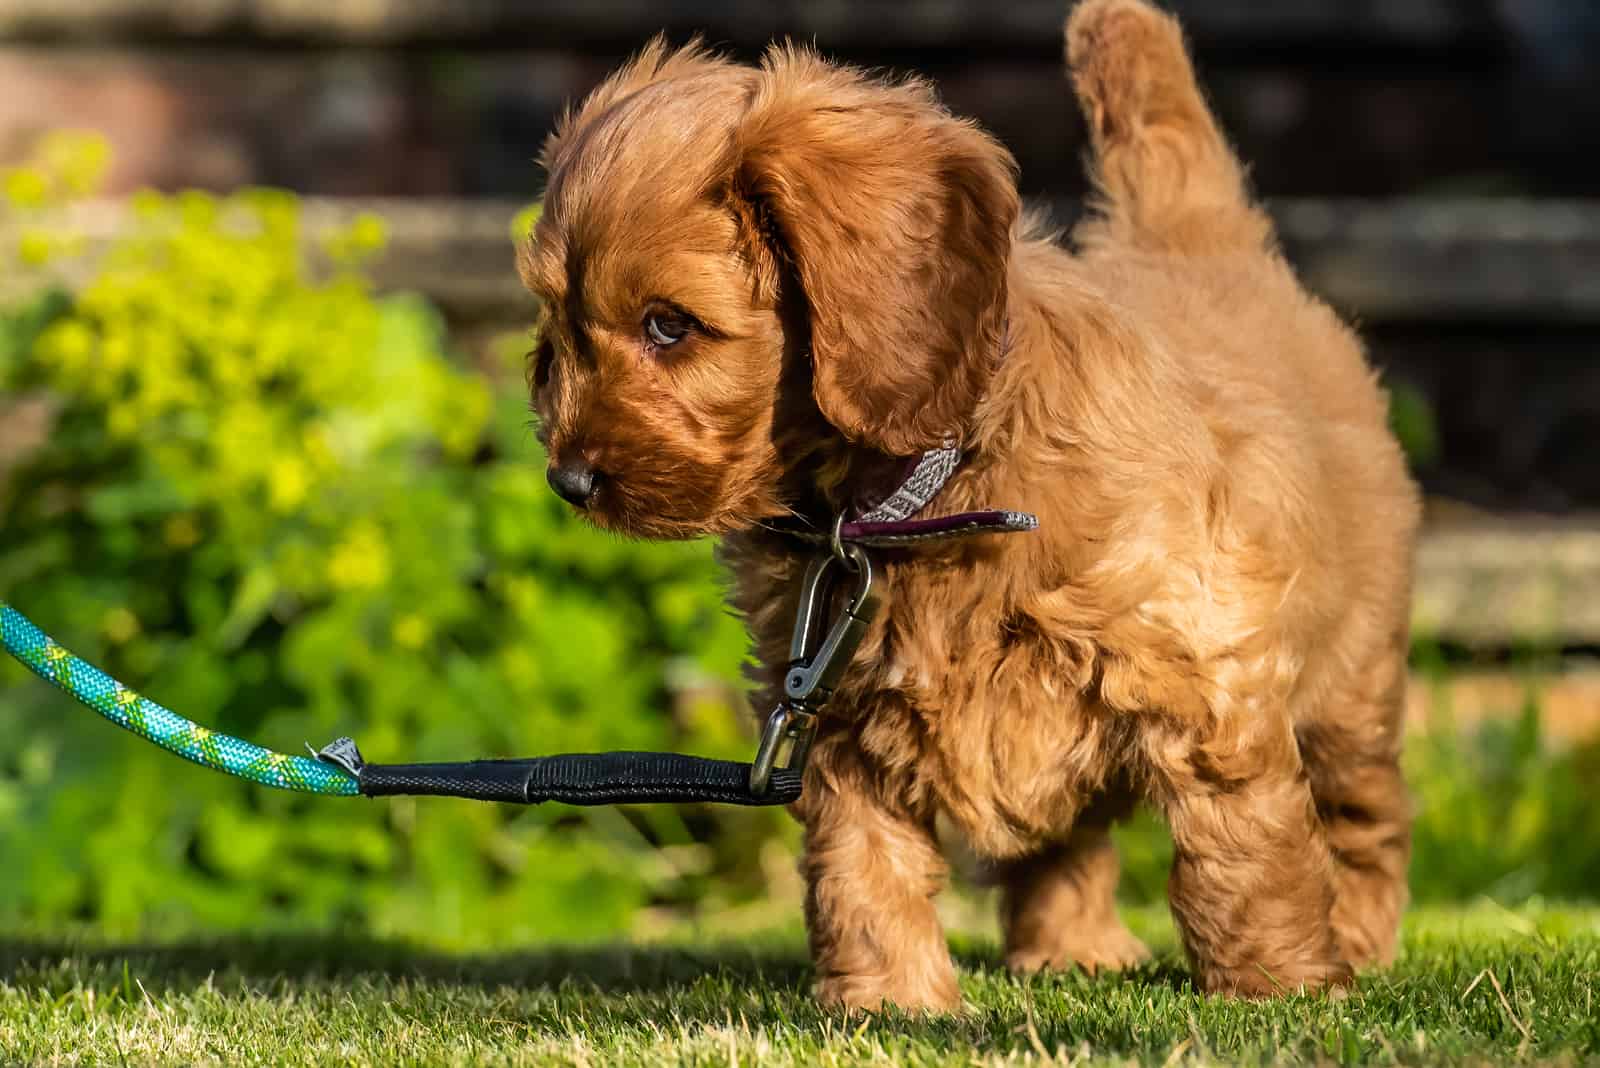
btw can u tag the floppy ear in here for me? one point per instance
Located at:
(896, 218)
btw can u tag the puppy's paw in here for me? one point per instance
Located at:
(1259, 982)
(1111, 949)
(1364, 944)
(877, 994)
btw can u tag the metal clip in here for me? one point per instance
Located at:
(786, 723)
(816, 666)
(342, 754)
(814, 670)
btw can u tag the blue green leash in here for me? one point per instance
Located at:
(338, 770)
(154, 723)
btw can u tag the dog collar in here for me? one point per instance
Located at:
(818, 660)
(892, 519)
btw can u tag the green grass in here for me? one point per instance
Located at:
(1473, 985)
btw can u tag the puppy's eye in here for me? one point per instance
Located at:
(541, 358)
(664, 329)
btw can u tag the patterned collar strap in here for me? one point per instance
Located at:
(933, 469)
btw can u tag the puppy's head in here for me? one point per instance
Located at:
(735, 261)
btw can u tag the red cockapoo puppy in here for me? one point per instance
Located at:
(763, 284)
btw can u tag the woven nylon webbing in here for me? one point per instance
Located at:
(584, 779)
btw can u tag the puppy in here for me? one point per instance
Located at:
(762, 285)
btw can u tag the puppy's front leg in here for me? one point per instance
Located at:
(871, 870)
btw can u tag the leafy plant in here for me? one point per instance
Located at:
(271, 500)
(1502, 813)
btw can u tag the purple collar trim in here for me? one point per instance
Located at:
(939, 528)
(892, 521)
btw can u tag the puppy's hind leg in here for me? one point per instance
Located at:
(1351, 750)
(1060, 908)
(1167, 179)
(1252, 877)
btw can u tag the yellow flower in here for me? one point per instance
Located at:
(35, 248)
(122, 421)
(80, 157)
(26, 188)
(69, 345)
(361, 560)
(197, 209)
(117, 353)
(411, 631)
(147, 205)
(523, 222)
(287, 483)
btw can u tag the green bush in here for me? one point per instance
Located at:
(271, 500)
(1503, 813)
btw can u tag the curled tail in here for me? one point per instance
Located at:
(1166, 177)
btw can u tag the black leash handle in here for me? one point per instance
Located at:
(570, 779)
(818, 656)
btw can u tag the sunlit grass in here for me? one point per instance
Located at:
(1473, 984)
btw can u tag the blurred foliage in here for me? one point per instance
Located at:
(1503, 813)
(271, 500)
(1412, 420)
(274, 501)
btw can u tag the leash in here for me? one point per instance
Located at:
(819, 653)
(338, 770)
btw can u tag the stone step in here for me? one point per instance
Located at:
(1463, 260)
(1455, 260)
(1510, 581)
(1416, 260)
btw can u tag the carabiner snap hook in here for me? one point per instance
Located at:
(815, 667)
(814, 672)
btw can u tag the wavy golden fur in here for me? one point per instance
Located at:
(1213, 614)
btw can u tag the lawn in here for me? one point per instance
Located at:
(1473, 985)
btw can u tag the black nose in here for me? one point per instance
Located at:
(573, 482)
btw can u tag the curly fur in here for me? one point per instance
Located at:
(1213, 615)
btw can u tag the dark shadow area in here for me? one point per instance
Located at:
(179, 966)
(185, 964)
(1167, 971)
